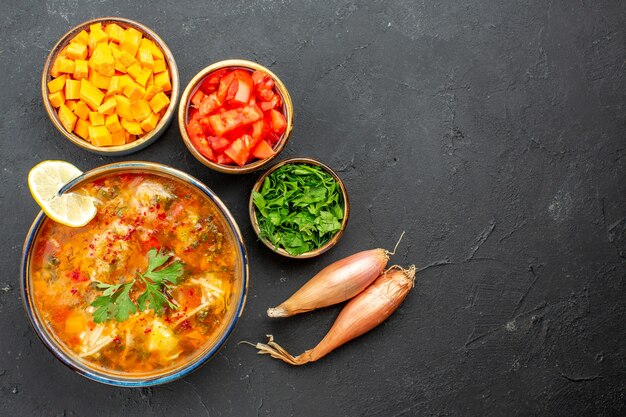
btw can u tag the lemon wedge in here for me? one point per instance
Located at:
(71, 209)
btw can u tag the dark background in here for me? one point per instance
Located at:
(492, 132)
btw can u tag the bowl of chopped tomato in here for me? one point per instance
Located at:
(235, 116)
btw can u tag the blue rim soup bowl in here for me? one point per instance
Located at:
(117, 378)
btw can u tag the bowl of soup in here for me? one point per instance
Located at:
(149, 290)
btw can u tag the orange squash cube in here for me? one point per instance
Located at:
(115, 32)
(119, 137)
(65, 65)
(72, 89)
(134, 91)
(159, 66)
(134, 128)
(150, 123)
(57, 99)
(100, 136)
(82, 110)
(140, 109)
(152, 47)
(123, 107)
(82, 128)
(90, 94)
(71, 104)
(102, 60)
(143, 77)
(152, 91)
(81, 69)
(96, 119)
(67, 118)
(82, 38)
(108, 107)
(131, 40)
(145, 58)
(57, 84)
(112, 123)
(99, 80)
(159, 102)
(96, 36)
(162, 80)
(76, 51)
(134, 70)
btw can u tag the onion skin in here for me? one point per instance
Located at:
(336, 283)
(364, 312)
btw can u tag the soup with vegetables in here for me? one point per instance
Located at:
(146, 286)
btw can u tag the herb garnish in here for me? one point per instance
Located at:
(115, 302)
(299, 207)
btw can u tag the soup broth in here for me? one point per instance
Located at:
(138, 215)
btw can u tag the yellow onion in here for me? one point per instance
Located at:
(336, 283)
(360, 315)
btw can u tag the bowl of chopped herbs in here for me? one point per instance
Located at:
(299, 208)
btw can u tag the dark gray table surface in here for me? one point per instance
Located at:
(491, 132)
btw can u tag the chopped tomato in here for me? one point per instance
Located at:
(238, 152)
(224, 87)
(211, 82)
(197, 98)
(257, 76)
(209, 104)
(151, 243)
(249, 141)
(218, 144)
(278, 121)
(257, 129)
(236, 116)
(244, 87)
(224, 159)
(263, 150)
(194, 129)
(273, 103)
(232, 119)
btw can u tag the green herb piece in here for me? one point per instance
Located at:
(299, 208)
(116, 303)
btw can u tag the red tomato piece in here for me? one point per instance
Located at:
(244, 87)
(206, 126)
(201, 144)
(257, 76)
(232, 119)
(209, 104)
(257, 129)
(262, 150)
(249, 141)
(238, 152)
(193, 114)
(272, 104)
(197, 98)
(279, 124)
(194, 129)
(211, 82)
(218, 144)
(224, 87)
(224, 159)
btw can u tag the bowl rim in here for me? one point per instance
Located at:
(185, 101)
(80, 367)
(346, 210)
(139, 143)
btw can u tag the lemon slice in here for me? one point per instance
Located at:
(71, 209)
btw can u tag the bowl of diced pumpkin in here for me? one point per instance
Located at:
(111, 86)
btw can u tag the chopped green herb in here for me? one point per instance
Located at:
(299, 208)
(115, 302)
